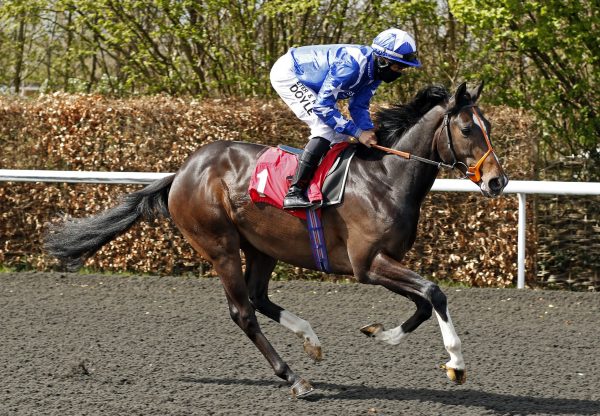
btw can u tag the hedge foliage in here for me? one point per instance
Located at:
(462, 237)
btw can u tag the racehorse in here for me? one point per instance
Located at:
(366, 236)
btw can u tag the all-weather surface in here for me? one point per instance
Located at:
(111, 345)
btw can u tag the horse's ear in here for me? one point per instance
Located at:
(458, 99)
(460, 91)
(476, 92)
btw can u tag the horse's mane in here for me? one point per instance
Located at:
(394, 121)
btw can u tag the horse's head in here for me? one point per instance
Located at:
(463, 141)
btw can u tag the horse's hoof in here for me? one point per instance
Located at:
(301, 389)
(454, 374)
(372, 330)
(313, 351)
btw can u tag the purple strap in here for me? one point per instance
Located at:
(317, 240)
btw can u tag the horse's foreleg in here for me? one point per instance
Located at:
(300, 327)
(455, 368)
(387, 272)
(258, 272)
(395, 335)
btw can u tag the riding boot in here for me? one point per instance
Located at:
(309, 161)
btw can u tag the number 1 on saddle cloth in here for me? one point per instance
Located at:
(269, 184)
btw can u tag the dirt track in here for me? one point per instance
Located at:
(109, 345)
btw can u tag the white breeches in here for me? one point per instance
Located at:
(301, 99)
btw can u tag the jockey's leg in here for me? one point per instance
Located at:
(296, 197)
(301, 100)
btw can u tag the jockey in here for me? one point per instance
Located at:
(310, 80)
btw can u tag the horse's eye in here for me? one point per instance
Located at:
(466, 131)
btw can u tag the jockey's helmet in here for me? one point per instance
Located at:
(396, 45)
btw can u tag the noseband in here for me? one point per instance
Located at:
(474, 173)
(471, 172)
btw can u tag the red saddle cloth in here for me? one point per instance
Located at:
(274, 172)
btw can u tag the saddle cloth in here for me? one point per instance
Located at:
(275, 169)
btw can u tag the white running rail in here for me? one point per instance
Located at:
(521, 188)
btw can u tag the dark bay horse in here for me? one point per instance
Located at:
(367, 235)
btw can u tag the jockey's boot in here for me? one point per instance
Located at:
(307, 165)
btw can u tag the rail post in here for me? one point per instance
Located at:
(521, 239)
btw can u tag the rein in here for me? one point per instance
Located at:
(407, 155)
(472, 172)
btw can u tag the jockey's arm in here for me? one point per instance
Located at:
(359, 106)
(339, 79)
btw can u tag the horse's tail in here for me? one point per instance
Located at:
(76, 239)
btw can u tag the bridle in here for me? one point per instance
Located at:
(474, 172)
(471, 172)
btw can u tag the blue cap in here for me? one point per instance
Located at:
(396, 45)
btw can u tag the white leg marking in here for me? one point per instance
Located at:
(392, 336)
(299, 327)
(451, 342)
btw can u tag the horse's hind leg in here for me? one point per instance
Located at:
(224, 254)
(258, 272)
(427, 296)
(242, 313)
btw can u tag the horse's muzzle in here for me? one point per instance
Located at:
(494, 187)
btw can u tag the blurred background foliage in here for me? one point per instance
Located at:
(149, 78)
(541, 56)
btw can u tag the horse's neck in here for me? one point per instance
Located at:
(415, 178)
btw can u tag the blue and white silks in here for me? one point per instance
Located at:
(310, 79)
(339, 72)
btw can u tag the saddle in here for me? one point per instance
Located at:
(275, 169)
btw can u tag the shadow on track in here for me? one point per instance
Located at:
(503, 403)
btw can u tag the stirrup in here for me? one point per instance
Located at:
(296, 201)
(302, 204)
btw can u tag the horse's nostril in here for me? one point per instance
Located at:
(495, 184)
